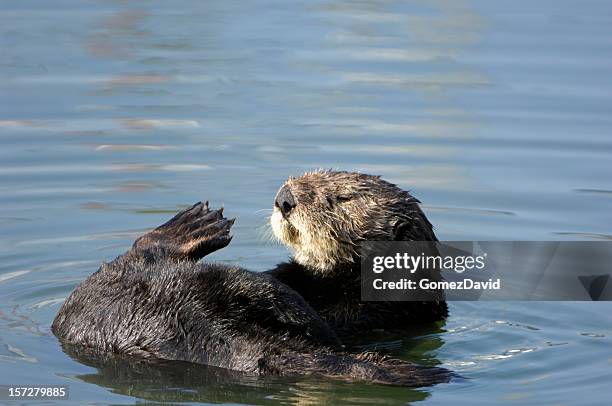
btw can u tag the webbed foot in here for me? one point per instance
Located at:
(190, 235)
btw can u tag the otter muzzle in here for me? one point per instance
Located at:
(284, 200)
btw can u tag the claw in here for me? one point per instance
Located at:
(195, 209)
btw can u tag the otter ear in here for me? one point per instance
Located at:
(417, 229)
(401, 230)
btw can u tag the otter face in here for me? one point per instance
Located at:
(323, 216)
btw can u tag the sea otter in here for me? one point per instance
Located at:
(156, 301)
(324, 216)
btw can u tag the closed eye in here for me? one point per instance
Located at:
(338, 199)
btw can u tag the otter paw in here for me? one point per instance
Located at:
(191, 234)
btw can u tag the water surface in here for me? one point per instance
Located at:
(115, 114)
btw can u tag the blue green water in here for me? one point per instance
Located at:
(496, 114)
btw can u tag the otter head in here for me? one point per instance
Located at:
(324, 216)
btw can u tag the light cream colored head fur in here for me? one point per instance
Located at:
(335, 211)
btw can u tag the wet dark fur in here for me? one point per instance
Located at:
(156, 302)
(337, 299)
(377, 211)
(174, 382)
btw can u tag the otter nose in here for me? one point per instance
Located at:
(285, 200)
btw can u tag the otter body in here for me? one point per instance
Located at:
(157, 302)
(337, 299)
(324, 216)
(204, 313)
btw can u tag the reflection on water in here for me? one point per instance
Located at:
(165, 381)
(116, 114)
